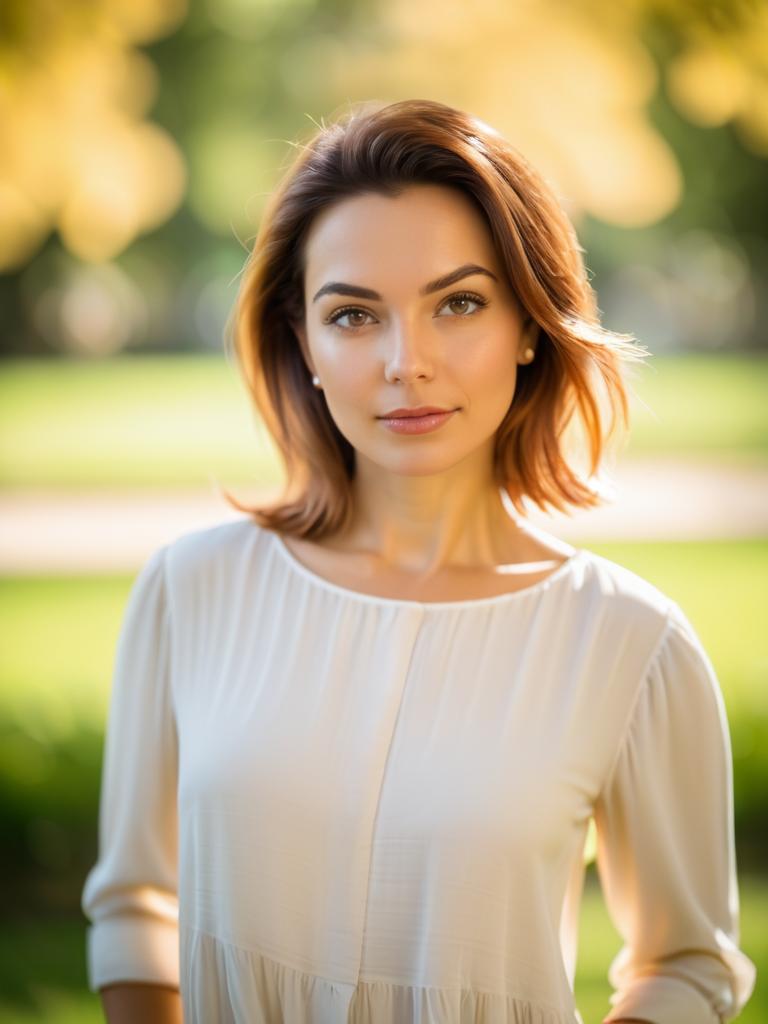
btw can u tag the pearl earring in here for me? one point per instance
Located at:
(316, 381)
(528, 355)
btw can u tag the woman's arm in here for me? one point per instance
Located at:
(128, 1002)
(131, 894)
(665, 846)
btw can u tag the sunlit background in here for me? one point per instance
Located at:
(139, 140)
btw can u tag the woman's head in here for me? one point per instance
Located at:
(382, 331)
(388, 200)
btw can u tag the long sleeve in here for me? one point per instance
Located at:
(665, 846)
(130, 894)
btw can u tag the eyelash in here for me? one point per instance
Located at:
(459, 296)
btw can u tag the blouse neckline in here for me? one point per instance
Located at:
(563, 570)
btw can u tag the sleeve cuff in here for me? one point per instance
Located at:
(662, 1001)
(135, 948)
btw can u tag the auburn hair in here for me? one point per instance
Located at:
(570, 401)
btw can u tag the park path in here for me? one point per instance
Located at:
(99, 531)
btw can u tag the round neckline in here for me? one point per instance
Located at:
(402, 602)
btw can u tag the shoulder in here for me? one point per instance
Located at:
(634, 604)
(624, 602)
(622, 587)
(211, 551)
(614, 580)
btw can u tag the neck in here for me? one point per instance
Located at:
(422, 523)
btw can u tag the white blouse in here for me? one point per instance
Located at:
(326, 807)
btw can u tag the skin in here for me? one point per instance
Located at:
(428, 516)
(128, 1002)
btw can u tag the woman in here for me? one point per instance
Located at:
(376, 718)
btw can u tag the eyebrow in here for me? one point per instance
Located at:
(341, 288)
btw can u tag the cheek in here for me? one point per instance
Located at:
(340, 362)
(490, 365)
(488, 378)
(352, 374)
(352, 383)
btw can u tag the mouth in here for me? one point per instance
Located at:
(415, 413)
(417, 424)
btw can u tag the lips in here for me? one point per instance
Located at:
(424, 423)
(422, 410)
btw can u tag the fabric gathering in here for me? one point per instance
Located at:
(320, 806)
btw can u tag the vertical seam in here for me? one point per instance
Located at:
(383, 777)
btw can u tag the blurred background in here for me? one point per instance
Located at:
(139, 140)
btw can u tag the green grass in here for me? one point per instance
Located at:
(701, 406)
(158, 421)
(180, 420)
(42, 963)
(62, 634)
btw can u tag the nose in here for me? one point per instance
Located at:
(408, 357)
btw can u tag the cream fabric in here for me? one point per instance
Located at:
(320, 806)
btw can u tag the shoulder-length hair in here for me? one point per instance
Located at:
(576, 382)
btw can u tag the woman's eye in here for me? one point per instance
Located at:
(336, 317)
(463, 299)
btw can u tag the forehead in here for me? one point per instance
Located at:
(425, 228)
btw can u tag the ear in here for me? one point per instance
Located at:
(529, 335)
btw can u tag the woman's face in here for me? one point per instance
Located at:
(381, 335)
